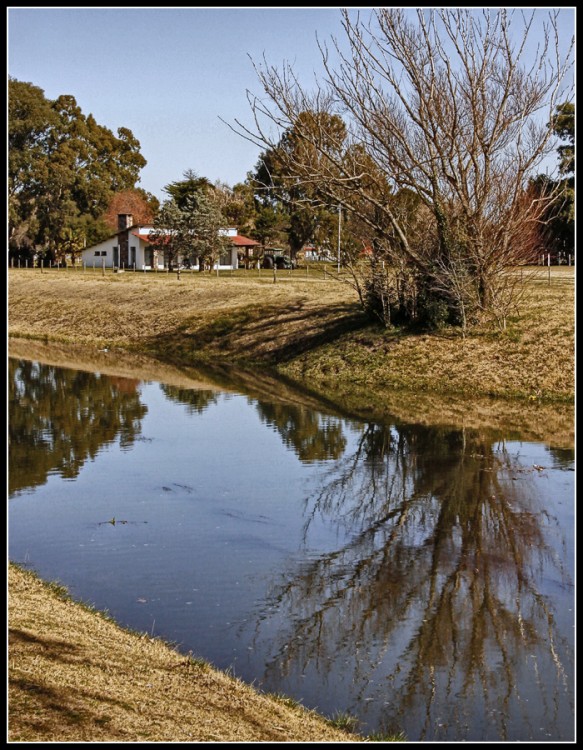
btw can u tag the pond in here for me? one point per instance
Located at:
(418, 577)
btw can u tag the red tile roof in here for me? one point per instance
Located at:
(145, 237)
(241, 241)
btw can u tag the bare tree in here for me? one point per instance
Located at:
(451, 104)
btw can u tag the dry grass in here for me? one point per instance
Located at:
(311, 328)
(533, 358)
(74, 676)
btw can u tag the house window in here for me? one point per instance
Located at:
(104, 252)
(225, 259)
(97, 253)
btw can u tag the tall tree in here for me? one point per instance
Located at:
(188, 188)
(447, 104)
(557, 231)
(563, 124)
(63, 166)
(307, 207)
(207, 226)
(169, 237)
(194, 232)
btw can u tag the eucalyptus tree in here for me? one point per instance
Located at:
(451, 104)
(63, 166)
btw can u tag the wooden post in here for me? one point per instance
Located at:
(41, 265)
(549, 264)
(19, 263)
(103, 266)
(569, 258)
(274, 272)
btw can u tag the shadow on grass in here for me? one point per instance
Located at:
(262, 334)
(38, 705)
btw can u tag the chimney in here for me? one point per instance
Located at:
(124, 221)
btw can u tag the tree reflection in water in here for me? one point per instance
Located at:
(59, 418)
(312, 435)
(435, 601)
(196, 401)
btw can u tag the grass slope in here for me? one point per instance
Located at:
(75, 676)
(310, 328)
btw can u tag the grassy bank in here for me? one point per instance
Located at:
(308, 326)
(75, 676)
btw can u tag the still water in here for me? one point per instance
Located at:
(417, 577)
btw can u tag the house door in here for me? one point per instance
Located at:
(116, 257)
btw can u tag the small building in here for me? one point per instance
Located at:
(130, 248)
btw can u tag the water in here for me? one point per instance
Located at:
(417, 577)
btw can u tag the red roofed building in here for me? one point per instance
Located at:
(245, 247)
(130, 248)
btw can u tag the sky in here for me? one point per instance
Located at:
(171, 75)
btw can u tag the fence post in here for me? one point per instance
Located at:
(103, 266)
(41, 265)
(569, 258)
(549, 264)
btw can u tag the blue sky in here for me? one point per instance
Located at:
(170, 74)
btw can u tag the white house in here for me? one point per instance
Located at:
(130, 248)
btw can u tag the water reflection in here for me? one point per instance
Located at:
(59, 418)
(422, 581)
(196, 401)
(436, 602)
(313, 436)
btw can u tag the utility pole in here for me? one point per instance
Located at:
(339, 220)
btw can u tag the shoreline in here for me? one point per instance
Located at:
(77, 676)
